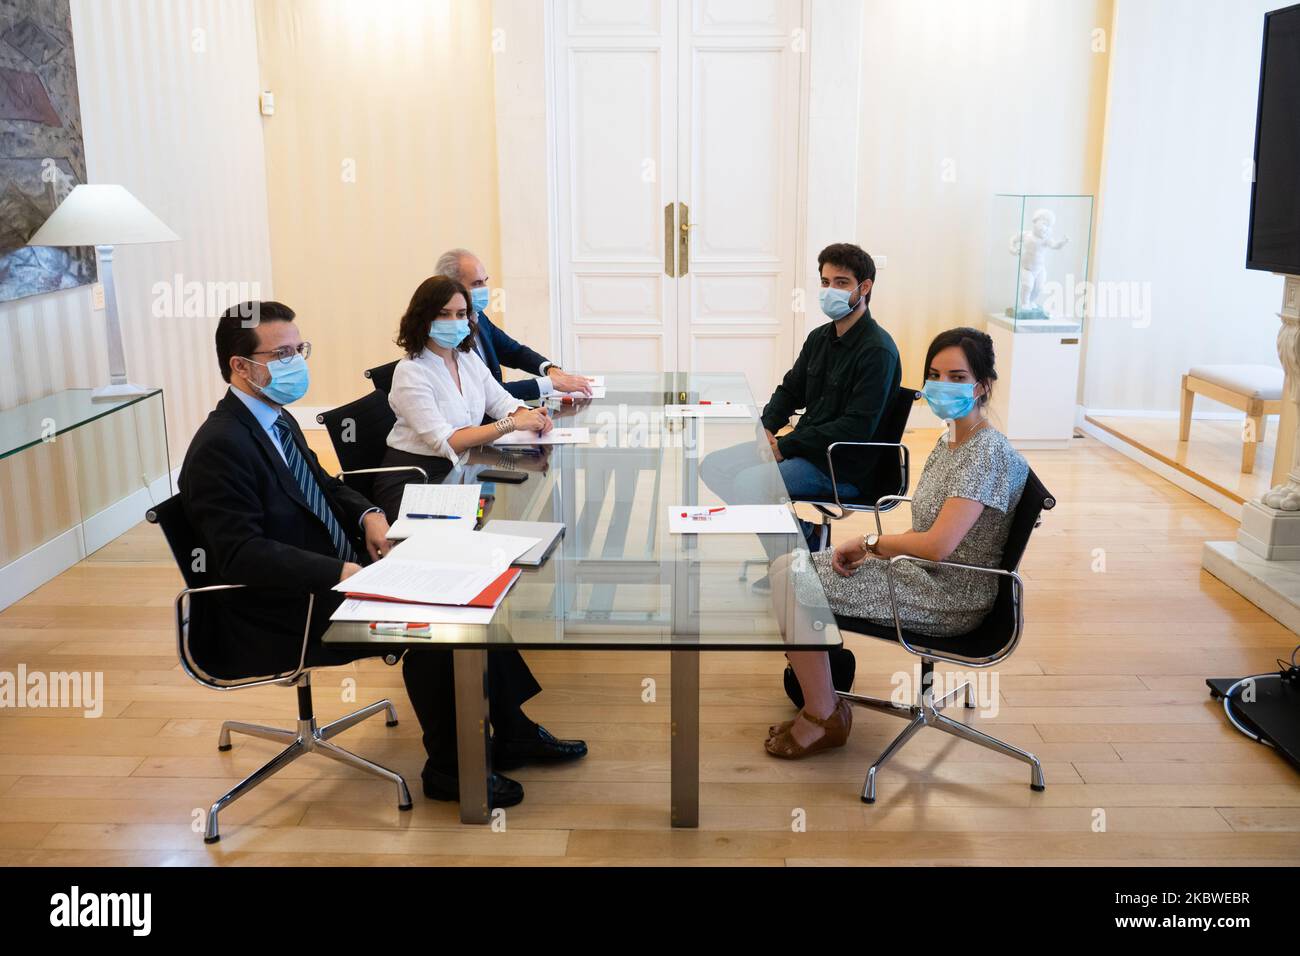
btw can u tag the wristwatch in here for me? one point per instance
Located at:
(869, 543)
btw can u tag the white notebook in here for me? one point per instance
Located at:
(458, 500)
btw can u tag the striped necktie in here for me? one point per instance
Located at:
(311, 490)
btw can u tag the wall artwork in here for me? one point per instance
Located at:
(41, 152)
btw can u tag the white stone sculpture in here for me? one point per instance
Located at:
(1032, 246)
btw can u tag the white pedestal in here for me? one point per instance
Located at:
(1036, 393)
(1268, 533)
(1272, 586)
(1263, 564)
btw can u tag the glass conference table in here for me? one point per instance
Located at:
(617, 580)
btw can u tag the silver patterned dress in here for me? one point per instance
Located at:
(939, 601)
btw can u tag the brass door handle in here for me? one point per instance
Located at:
(684, 241)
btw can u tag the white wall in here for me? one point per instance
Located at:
(1175, 201)
(959, 101)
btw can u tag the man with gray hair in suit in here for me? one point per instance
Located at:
(495, 347)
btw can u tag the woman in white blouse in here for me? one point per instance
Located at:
(442, 391)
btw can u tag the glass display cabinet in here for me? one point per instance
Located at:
(1037, 265)
(1037, 295)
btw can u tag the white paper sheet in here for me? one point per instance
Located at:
(556, 436)
(715, 410)
(450, 541)
(420, 582)
(597, 391)
(356, 609)
(440, 565)
(460, 500)
(734, 519)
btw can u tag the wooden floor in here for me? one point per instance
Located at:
(1107, 688)
(1212, 454)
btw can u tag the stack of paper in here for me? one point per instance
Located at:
(458, 501)
(438, 567)
(479, 611)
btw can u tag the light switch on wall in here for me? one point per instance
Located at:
(267, 103)
(880, 261)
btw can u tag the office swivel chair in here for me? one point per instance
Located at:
(987, 645)
(890, 477)
(359, 432)
(308, 737)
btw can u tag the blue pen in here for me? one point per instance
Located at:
(439, 517)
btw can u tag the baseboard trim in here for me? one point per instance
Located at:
(1164, 413)
(42, 564)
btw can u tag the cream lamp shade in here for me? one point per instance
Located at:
(105, 216)
(101, 216)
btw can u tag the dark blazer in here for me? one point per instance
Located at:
(500, 349)
(256, 529)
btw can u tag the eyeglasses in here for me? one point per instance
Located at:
(285, 353)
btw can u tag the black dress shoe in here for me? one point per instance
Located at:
(539, 746)
(502, 791)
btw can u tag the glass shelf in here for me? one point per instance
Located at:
(35, 423)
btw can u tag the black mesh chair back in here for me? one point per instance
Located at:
(359, 432)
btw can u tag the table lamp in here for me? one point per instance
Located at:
(105, 216)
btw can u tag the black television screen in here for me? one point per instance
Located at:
(1274, 243)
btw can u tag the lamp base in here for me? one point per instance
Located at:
(119, 392)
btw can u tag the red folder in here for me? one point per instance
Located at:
(488, 597)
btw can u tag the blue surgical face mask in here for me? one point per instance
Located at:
(950, 400)
(289, 381)
(479, 297)
(835, 303)
(449, 333)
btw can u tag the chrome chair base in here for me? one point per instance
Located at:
(308, 738)
(927, 712)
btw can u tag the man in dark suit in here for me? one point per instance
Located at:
(495, 347)
(267, 516)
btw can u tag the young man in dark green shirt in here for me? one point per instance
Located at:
(846, 374)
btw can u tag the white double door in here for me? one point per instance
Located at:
(677, 130)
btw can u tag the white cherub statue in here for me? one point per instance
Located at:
(1031, 246)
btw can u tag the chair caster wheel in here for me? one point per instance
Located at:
(214, 839)
(390, 723)
(1038, 787)
(225, 748)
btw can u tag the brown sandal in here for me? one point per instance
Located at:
(836, 727)
(781, 727)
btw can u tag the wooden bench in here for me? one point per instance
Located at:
(1255, 389)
